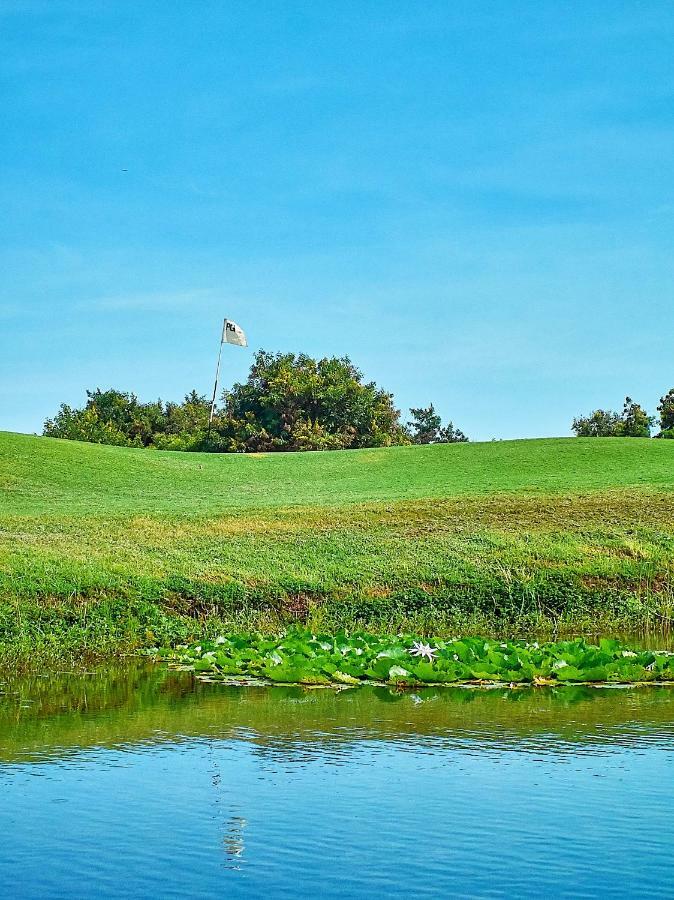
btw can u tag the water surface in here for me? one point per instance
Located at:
(134, 781)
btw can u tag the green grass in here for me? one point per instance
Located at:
(41, 476)
(105, 547)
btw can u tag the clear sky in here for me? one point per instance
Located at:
(474, 200)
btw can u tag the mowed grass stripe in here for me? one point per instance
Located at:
(42, 476)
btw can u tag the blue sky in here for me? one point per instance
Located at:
(474, 200)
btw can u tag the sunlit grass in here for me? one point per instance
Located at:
(103, 546)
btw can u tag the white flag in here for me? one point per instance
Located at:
(232, 334)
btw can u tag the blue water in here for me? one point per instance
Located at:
(145, 784)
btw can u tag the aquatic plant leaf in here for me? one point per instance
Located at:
(570, 673)
(343, 678)
(425, 671)
(304, 658)
(396, 672)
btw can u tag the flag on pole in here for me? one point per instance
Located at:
(233, 334)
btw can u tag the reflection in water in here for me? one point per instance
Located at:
(233, 839)
(42, 717)
(138, 781)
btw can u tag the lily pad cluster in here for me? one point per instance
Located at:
(301, 657)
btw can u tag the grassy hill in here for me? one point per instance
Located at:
(44, 476)
(102, 547)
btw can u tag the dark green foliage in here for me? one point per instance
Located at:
(114, 417)
(289, 402)
(634, 422)
(426, 428)
(666, 410)
(600, 423)
(358, 657)
(294, 402)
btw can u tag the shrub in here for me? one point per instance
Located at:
(426, 428)
(634, 422)
(289, 402)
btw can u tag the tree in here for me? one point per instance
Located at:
(109, 417)
(288, 402)
(448, 434)
(634, 422)
(600, 423)
(426, 428)
(293, 402)
(666, 410)
(115, 417)
(425, 425)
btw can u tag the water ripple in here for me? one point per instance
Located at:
(157, 786)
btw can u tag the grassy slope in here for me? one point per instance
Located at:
(42, 476)
(101, 544)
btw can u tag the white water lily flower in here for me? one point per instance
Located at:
(560, 664)
(221, 640)
(630, 653)
(419, 649)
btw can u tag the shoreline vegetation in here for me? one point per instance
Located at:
(302, 657)
(105, 550)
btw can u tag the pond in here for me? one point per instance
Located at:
(135, 781)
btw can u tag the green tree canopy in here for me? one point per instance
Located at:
(293, 402)
(666, 410)
(426, 428)
(288, 402)
(633, 422)
(116, 417)
(600, 423)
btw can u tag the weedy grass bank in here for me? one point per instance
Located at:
(104, 549)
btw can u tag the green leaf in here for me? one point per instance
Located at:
(343, 678)
(569, 673)
(397, 672)
(425, 671)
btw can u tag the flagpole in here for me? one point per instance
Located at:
(215, 385)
